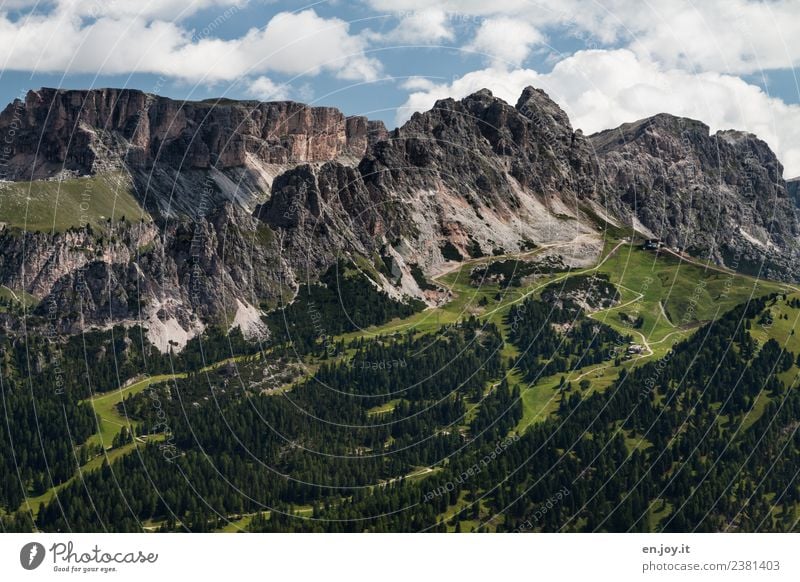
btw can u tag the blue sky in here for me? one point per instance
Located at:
(729, 63)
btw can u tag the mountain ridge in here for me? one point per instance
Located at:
(270, 195)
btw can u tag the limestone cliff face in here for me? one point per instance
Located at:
(173, 278)
(719, 196)
(163, 143)
(200, 134)
(35, 261)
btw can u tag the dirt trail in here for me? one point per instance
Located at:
(664, 314)
(557, 279)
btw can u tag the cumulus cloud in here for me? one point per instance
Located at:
(737, 36)
(603, 89)
(427, 26)
(733, 36)
(506, 41)
(155, 9)
(301, 43)
(265, 89)
(478, 7)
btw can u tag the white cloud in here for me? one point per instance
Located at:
(418, 84)
(733, 36)
(603, 89)
(305, 43)
(506, 41)
(301, 43)
(426, 26)
(265, 89)
(476, 7)
(9, 5)
(152, 9)
(736, 36)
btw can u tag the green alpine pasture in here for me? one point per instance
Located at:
(57, 205)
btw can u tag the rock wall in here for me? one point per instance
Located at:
(55, 130)
(720, 196)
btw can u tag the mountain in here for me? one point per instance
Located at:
(719, 196)
(475, 176)
(231, 206)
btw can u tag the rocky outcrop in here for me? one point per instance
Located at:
(34, 262)
(719, 196)
(793, 189)
(174, 279)
(477, 175)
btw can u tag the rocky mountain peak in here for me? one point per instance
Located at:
(651, 130)
(535, 137)
(720, 196)
(536, 104)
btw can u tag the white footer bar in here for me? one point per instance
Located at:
(401, 557)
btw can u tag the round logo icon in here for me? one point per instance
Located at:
(31, 555)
